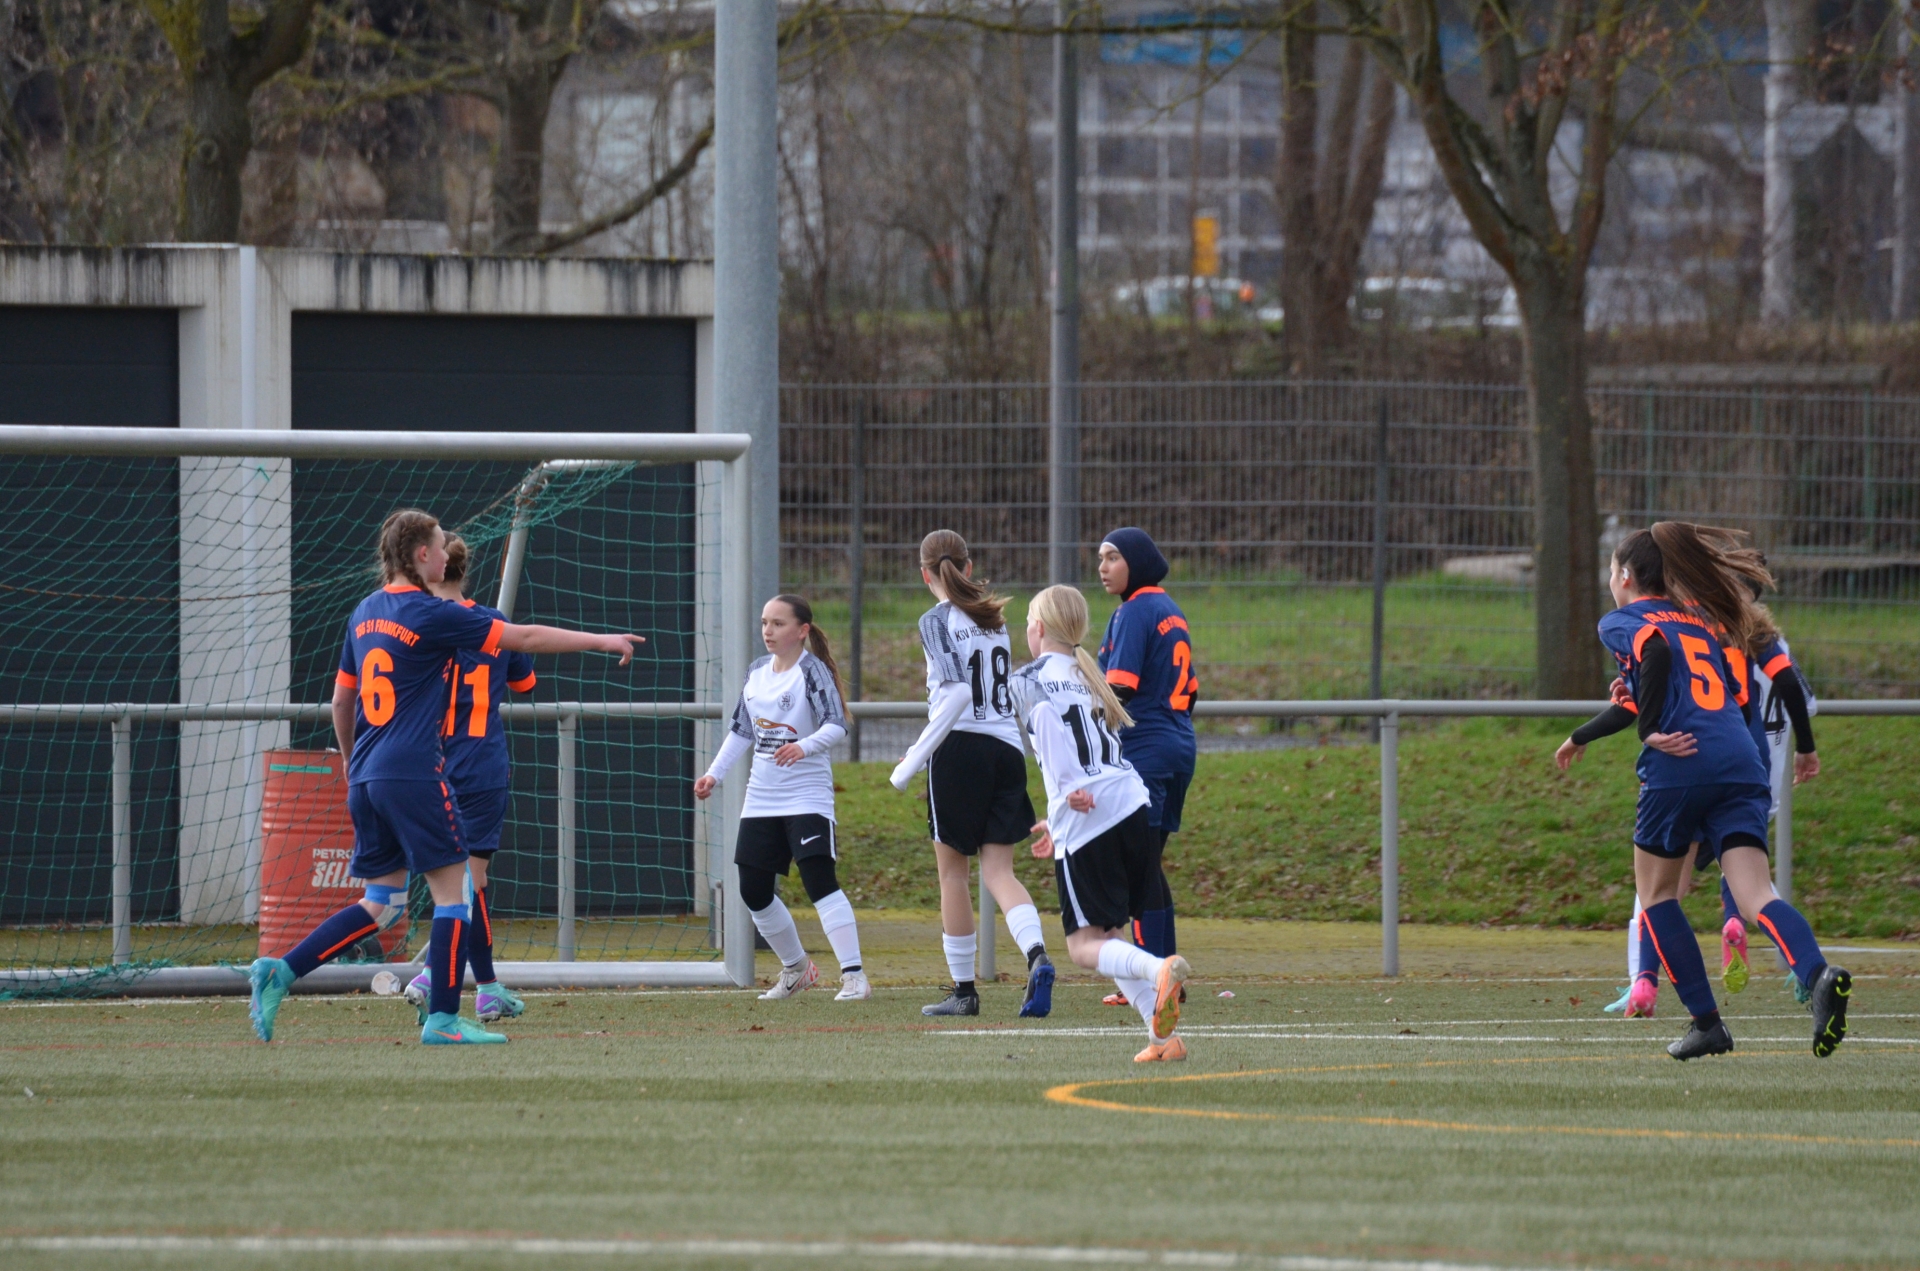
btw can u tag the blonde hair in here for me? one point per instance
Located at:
(943, 554)
(457, 556)
(1062, 612)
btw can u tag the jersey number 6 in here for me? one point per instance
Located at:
(1709, 693)
(376, 690)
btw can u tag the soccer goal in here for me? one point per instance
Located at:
(172, 605)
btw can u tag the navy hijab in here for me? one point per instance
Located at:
(1145, 565)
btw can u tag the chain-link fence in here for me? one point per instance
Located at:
(1263, 495)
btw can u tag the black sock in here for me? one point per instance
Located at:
(1034, 954)
(1708, 1022)
(964, 988)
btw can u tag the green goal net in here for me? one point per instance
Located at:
(136, 589)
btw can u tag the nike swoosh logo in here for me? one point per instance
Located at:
(449, 1036)
(804, 842)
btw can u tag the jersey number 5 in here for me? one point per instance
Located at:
(376, 690)
(1709, 692)
(1183, 685)
(999, 693)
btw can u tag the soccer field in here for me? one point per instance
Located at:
(1476, 1117)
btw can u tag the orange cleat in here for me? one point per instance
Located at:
(1114, 999)
(1166, 1001)
(1172, 1050)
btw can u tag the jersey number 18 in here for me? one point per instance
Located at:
(999, 692)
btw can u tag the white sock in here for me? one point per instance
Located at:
(836, 918)
(960, 950)
(1633, 943)
(776, 924)
(1142, 995)
(1119, 959)
(1023, 923)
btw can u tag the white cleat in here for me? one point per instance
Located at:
(854, 987)
(794, 979)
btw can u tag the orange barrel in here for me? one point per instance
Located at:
(306, 843)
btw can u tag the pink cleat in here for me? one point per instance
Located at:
(1733, 955)
(1646, 991)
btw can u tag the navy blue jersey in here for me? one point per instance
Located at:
(398, 653)
(1704, 696)
(1751, 673)
(1147, 649)
(473, 738)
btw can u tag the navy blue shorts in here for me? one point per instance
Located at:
(1166, 798)
(410, 825)
(1669, 821)
(482, 813)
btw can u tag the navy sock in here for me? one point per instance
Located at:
(332, 938)
(1729, 910)
(480, 939)
(447, 959)
(1153, 931)
(1679, 952)
(1795, 938)
(1649, 956)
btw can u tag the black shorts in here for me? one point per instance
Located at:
(977, 793)
(776, 842)
(1112, 880)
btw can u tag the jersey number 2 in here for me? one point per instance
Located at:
(1709, 692)
(376, 690)
(1183, 685)
(999, 693)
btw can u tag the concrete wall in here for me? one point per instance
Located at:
(236, 307)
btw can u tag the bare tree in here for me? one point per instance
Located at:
(1789, 31)
(1537, 58)
(224, 58)
(1326, 183)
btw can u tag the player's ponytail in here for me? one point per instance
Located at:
(1062, 612)
(1716, 572)
(816, 640)
(458, 555)
(403, 533)
(943, 554)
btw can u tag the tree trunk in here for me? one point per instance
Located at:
(218, 139)
(526, 96)
(1566, 519)
(1787, 44)
(1295, 193)
(1906, 188)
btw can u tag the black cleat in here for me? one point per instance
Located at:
(955, 1004)
(1698, 1042)
(1830, 994)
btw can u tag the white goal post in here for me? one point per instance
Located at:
(728, 632)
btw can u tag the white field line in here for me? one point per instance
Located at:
(1641, 1039)
(879, 1250)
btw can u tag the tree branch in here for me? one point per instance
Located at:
(660, 187)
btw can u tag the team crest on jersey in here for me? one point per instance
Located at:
(786, 701)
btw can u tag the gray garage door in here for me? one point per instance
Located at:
(621, 562)
(88, 610)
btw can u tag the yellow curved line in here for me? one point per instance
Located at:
(1070, 1096)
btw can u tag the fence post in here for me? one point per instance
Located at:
(857, 563)
(1063, 460)
(1381, 476)
(123, 838)
(1390, 843)
(568, 729)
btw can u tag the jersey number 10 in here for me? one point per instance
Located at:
(999, 692)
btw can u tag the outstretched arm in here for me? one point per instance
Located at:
(538, 639)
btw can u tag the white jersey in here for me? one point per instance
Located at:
(1076, 749)
(960, 651)
(1773, 716)
(801, 705)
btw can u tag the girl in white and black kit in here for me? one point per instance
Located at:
(977, 802)
(1106, 856)
(790, 714)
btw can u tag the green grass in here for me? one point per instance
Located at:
(1490, 833)
(1444, 638)
(1473, 1121)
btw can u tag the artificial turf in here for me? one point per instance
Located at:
(1451, 1117)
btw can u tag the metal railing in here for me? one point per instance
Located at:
(122, 716)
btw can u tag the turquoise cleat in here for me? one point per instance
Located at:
(270, 979)
(1626, 992)
(455, 1030)
(497, 1001)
